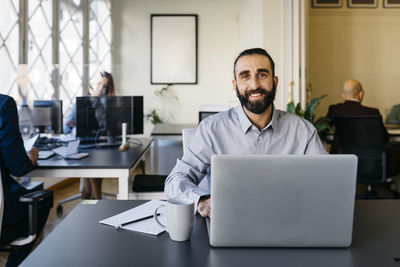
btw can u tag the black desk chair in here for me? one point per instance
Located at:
(32, 199)
(366, 137)
(148, 186)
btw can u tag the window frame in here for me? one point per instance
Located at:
(23, 48)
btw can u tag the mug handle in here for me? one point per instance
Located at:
(155, 217)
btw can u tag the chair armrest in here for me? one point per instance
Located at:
(32, 199)
(35, 196)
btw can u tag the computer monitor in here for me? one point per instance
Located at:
(47, 116)
(205, 114)
(208, 110)
(103, 115)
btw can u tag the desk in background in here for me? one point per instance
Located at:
(393, 130)
(166, 132)
(105, 162)
(80, 240)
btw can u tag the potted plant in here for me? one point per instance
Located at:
(321, 124)
(167, 100)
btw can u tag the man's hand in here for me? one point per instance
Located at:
(34, 155)
(204, 207)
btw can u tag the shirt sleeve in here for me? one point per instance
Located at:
(314, 145)
(191, 168)
(12, 148)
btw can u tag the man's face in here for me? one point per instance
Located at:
(255, 85)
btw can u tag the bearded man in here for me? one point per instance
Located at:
(254, 127)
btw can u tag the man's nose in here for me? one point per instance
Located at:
(254, 83)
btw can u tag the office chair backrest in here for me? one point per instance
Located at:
(187, 136)
(365, 137)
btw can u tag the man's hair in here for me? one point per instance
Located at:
(255, 51)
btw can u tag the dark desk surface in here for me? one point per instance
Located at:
(102, 157)
(170, 128)
(80, 240)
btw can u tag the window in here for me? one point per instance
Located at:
(100, 37)
(71, 51)
(50, 49)
(40, 65)
(9, 47)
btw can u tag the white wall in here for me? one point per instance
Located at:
(225, 27)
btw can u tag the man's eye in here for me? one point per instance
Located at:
(246, 76)
(262, 75)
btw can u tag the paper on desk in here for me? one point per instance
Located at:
(70, 151)
(148, 226)
(28, 143)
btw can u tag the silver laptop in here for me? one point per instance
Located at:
(282, 200)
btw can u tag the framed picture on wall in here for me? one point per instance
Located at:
(326, 3)
(362, 3)
(391, 3)
(173, 46)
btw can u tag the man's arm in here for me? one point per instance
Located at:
(191, 169)
(314, 146)
(12, 150)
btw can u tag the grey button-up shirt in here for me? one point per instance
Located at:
(231, 132)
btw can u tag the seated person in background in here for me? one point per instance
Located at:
(353, 94)
(91, 187)
(15, 161)
(254, 127)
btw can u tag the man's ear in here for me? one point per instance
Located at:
(360, 95)
(234, 83)
(276, 81)
(343, 96)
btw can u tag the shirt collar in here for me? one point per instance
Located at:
(245, 123)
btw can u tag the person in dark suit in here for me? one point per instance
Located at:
(15, 161)
(353, 95)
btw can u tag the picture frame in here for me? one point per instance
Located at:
(173, 46)
(391, 3)
(326, 3)
(362, 3)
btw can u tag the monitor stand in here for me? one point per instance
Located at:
(112, 141)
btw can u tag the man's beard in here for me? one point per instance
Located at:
(257, 107)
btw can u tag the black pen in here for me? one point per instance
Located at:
(137, 220)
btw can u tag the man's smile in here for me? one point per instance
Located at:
(256, 95)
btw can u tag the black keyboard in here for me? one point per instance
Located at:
(44, 143)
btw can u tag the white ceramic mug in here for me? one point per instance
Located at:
(179, 218)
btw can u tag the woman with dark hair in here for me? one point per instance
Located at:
(91, 187)
(105, 86)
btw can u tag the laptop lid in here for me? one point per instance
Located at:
(282, 200)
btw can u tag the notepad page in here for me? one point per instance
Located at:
(148, 226)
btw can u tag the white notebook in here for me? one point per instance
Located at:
(70, 151)
(148, 226)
